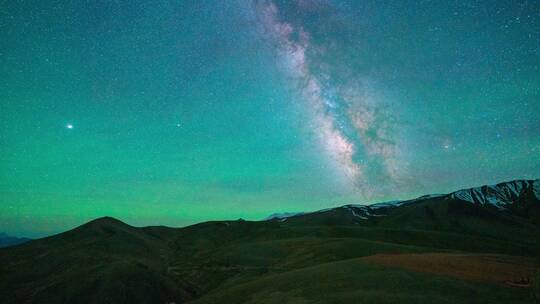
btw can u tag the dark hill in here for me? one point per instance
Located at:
(395, 252)
(103, 261)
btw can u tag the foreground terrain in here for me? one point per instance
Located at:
(479, 245)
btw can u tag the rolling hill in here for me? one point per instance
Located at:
(478, 245)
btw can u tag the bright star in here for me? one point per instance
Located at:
(69, 126)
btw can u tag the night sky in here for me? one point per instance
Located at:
(176, 112)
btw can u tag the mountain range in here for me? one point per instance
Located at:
(7, 240)
(477, 245)
(519, 197)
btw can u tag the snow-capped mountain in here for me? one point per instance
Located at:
(501, 196)
(282, 215)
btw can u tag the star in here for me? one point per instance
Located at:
(69, 126)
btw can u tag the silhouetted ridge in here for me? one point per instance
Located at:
(106, 220)
(521, 197)
(105, 225)
(108, 261)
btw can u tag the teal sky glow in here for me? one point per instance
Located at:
(177, 112)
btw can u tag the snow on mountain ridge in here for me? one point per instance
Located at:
(355, 214)
(500, 195)
(380, 205)
(283, 215)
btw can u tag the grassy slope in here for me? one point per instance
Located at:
(298, 261)
(441, 224)
(103, 261)
(294, 248)
(495, 268)
(353, 281)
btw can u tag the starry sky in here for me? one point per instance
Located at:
(176, 112)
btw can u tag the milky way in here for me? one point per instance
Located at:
(178, 112)
(355, 130)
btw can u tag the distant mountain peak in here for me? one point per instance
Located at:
(106, 220)
(104, 224)
(282, 215)
(500, 195)
(7, 240)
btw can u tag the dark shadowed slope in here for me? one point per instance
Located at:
(386, 253)
(103, 261)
